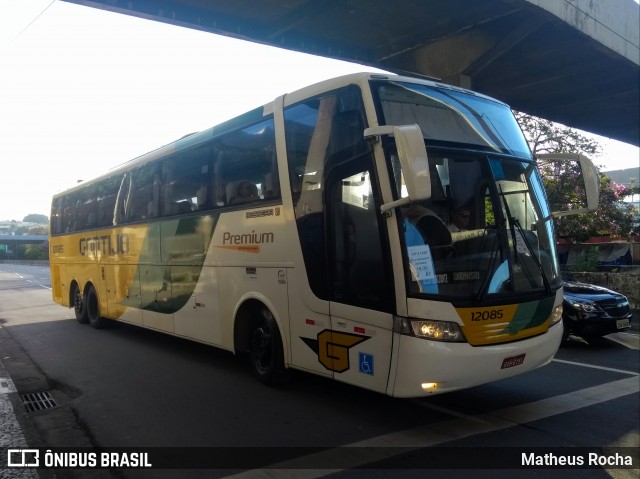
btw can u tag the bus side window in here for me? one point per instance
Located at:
(121, 200)
(246, 166)
(140, 198)
(186, 182)
(219, 194)
(243, 191)
(69, 220)
(56, 217)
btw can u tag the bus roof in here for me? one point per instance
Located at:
(194, 139)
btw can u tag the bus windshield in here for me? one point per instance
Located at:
(450, 116)
(486, 232)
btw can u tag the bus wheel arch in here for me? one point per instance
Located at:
(257, 333)
(78, 303)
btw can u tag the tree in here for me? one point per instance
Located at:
(38, 230)
(544, 136)
(35, 218)
(613, 217)
(37, 251)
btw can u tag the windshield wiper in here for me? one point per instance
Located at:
(516, 223)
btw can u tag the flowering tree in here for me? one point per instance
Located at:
(613, 217)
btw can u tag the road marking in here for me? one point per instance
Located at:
(594, 366)
(379, 448)
(629, 340)
(448, 411)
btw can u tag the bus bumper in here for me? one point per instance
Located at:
(424, 368)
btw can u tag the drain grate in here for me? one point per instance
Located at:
(38, 401)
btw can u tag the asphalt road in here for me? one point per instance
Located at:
(134, 388)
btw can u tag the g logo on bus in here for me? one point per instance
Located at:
(333, 347)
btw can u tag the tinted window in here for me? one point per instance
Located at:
(320, 133)
(246, 166)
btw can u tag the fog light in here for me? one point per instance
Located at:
(427, 386)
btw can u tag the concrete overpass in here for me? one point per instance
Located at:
(572, 61)
(12, 240)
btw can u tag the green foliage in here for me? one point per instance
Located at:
(37, 251)
(35, 218)
(38, 230)
(544, 136)
(613, 218)
(589, 260)
(562, 182)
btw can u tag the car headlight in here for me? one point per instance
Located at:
(430, 329)
(585, 306)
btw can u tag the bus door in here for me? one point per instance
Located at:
(358, 347)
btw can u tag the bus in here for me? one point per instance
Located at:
(317, 233)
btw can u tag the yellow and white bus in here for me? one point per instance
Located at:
(317, 233)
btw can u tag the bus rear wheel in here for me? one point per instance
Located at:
(93, 309)
(265, 350)
(79, 305)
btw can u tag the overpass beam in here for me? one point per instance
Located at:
(614, 26)
(447, 59)
(458, 59)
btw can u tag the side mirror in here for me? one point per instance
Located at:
(413, 159)
(590, 179)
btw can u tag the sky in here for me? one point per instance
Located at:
(83, 90)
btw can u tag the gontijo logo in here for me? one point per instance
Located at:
(110, 245)
(333, 347)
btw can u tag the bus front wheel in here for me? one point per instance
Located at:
(265, 350)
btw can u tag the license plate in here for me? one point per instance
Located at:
(513, 361)
(622, 323)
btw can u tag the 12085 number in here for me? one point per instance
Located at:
(487, 315)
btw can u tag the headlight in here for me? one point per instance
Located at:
(556, 315)
(429, 329)
(585, 306)
(437, 330)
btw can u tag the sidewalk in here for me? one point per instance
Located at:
(11, 435)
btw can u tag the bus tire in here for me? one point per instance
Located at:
(79, 305)
(93, 308)
(265, 350)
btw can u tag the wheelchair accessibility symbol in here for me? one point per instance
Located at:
(365, 362)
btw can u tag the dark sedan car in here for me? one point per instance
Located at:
(592, 311)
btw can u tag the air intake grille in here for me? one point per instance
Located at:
(615, 307)
(38, 401)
